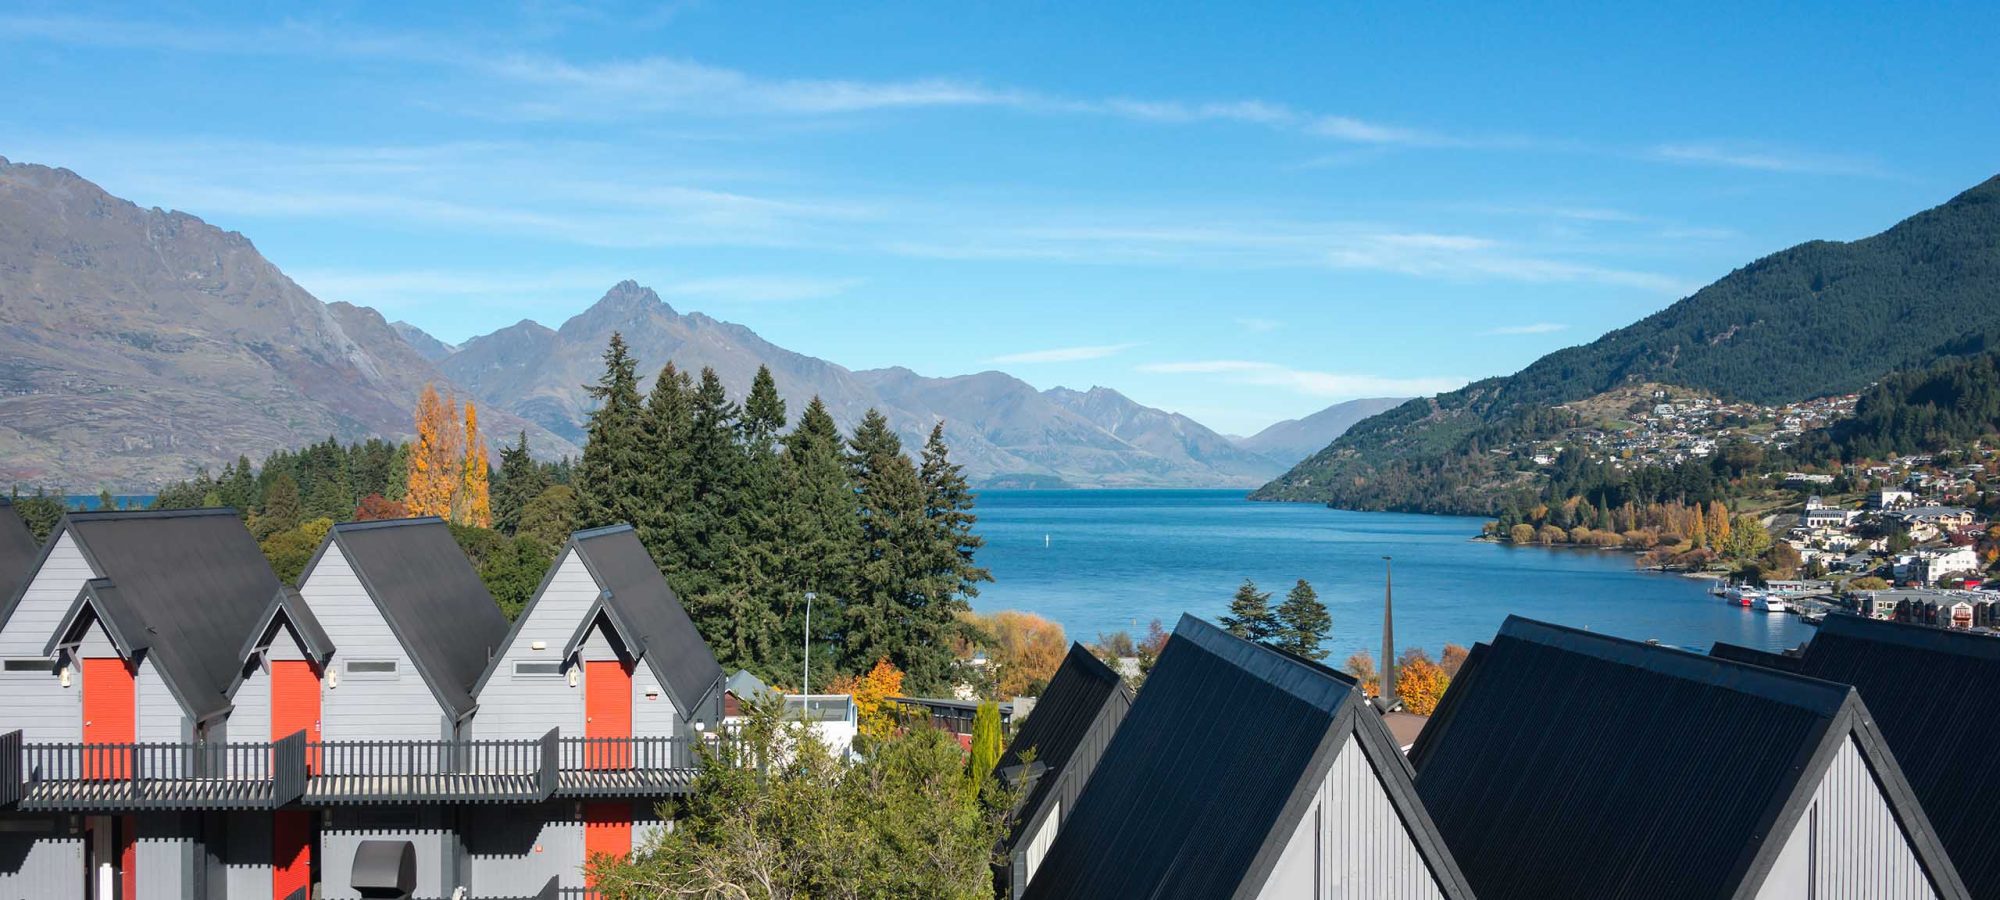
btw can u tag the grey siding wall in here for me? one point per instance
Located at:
(653, 712)
(246, 856)
(165, 854)
(250, 721)
(371, 706)
(161, 718)
(39, 858)
(517, 853)
(36, 702)
(526, 706)
(1847, 845)
(1351, 844)
(424, 828)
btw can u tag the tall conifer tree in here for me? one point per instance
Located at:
(612, 463)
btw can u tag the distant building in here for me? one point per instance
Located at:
(1929, 567)
(1827, 517)
(1891, 498)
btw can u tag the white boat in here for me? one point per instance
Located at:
(1772, 604)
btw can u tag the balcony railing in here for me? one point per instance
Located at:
(79, 777)
(137, 776)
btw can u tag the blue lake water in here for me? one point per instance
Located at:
(1118, 559)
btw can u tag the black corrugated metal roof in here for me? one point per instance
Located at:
(18, 549)
(192, 580)
(1566, 764)
(1935, 695)
(1214, 766)
(1783, 662)
(1084, 700)
(432, 598)
(663, 634)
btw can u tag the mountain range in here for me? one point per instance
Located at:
(138, 344)
(1819, 319)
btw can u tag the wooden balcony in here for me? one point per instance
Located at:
(75, 777)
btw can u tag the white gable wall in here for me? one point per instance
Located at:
(1351, 844)
(397, 706)
(37, 703)
(1847, 845)
(162, 720)
(523, 706)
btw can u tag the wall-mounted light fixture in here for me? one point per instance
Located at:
(572, 676)
(64, 675)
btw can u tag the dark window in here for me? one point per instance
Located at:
(538, 668)
(29, 665)
(371, 666)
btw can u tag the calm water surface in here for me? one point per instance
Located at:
(1118, 559)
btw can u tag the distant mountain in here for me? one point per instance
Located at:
(1821, 318)
(1001, 429)
(1292, 440)
(428, 347)
(137, 344)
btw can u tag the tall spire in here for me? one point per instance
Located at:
(1388, 633)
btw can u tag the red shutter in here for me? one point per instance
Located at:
(607, 830)
(607, 711)
(110, 716)
(291, 853)
(295, 704)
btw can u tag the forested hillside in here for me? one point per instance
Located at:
(1817, 319)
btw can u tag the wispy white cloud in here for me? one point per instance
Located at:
(1259, 326)
(1764, 158)
(1535, 328)
(1331, 385)
(1064, 354)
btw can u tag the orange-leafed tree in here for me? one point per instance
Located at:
(436, 467)
(1420, 684)
(473, 505)
(375, 507)
(1025, 650)
(871, 693)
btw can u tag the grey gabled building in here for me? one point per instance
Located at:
(1566, 764)
(1935, 695)
(1244, 772)
(1061, 742)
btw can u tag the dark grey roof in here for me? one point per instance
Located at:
(1783, 662)
(1935, 695)
(657, 628)
(1215, 765)
(1072, 724)
(18, 550)
(432, 599)
(1566, 764)
(191, 581)
(287, 605)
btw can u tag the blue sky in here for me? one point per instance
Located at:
(1242, 213)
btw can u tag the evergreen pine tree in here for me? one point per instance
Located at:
(986, 745)
(1303, 622)
(612, 447)
(948, 501)
(521, 480)
(1250, 614)
(818, 536)
(282, 509)
(885, 613)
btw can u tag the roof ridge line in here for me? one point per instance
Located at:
(96, 515)
(1816, 694)
(600, 531)
(1269, 664)
(1912, 635)
(372, 524)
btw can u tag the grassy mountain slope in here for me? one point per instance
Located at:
(1821, 318)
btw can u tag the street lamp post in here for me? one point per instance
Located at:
(806, 679)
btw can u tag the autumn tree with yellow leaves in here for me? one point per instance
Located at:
(447, 468)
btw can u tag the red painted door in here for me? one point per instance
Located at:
(295, 704)
(128, 857)
(607, 714)
(607, 830)
(291, 853)
(110, 716)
